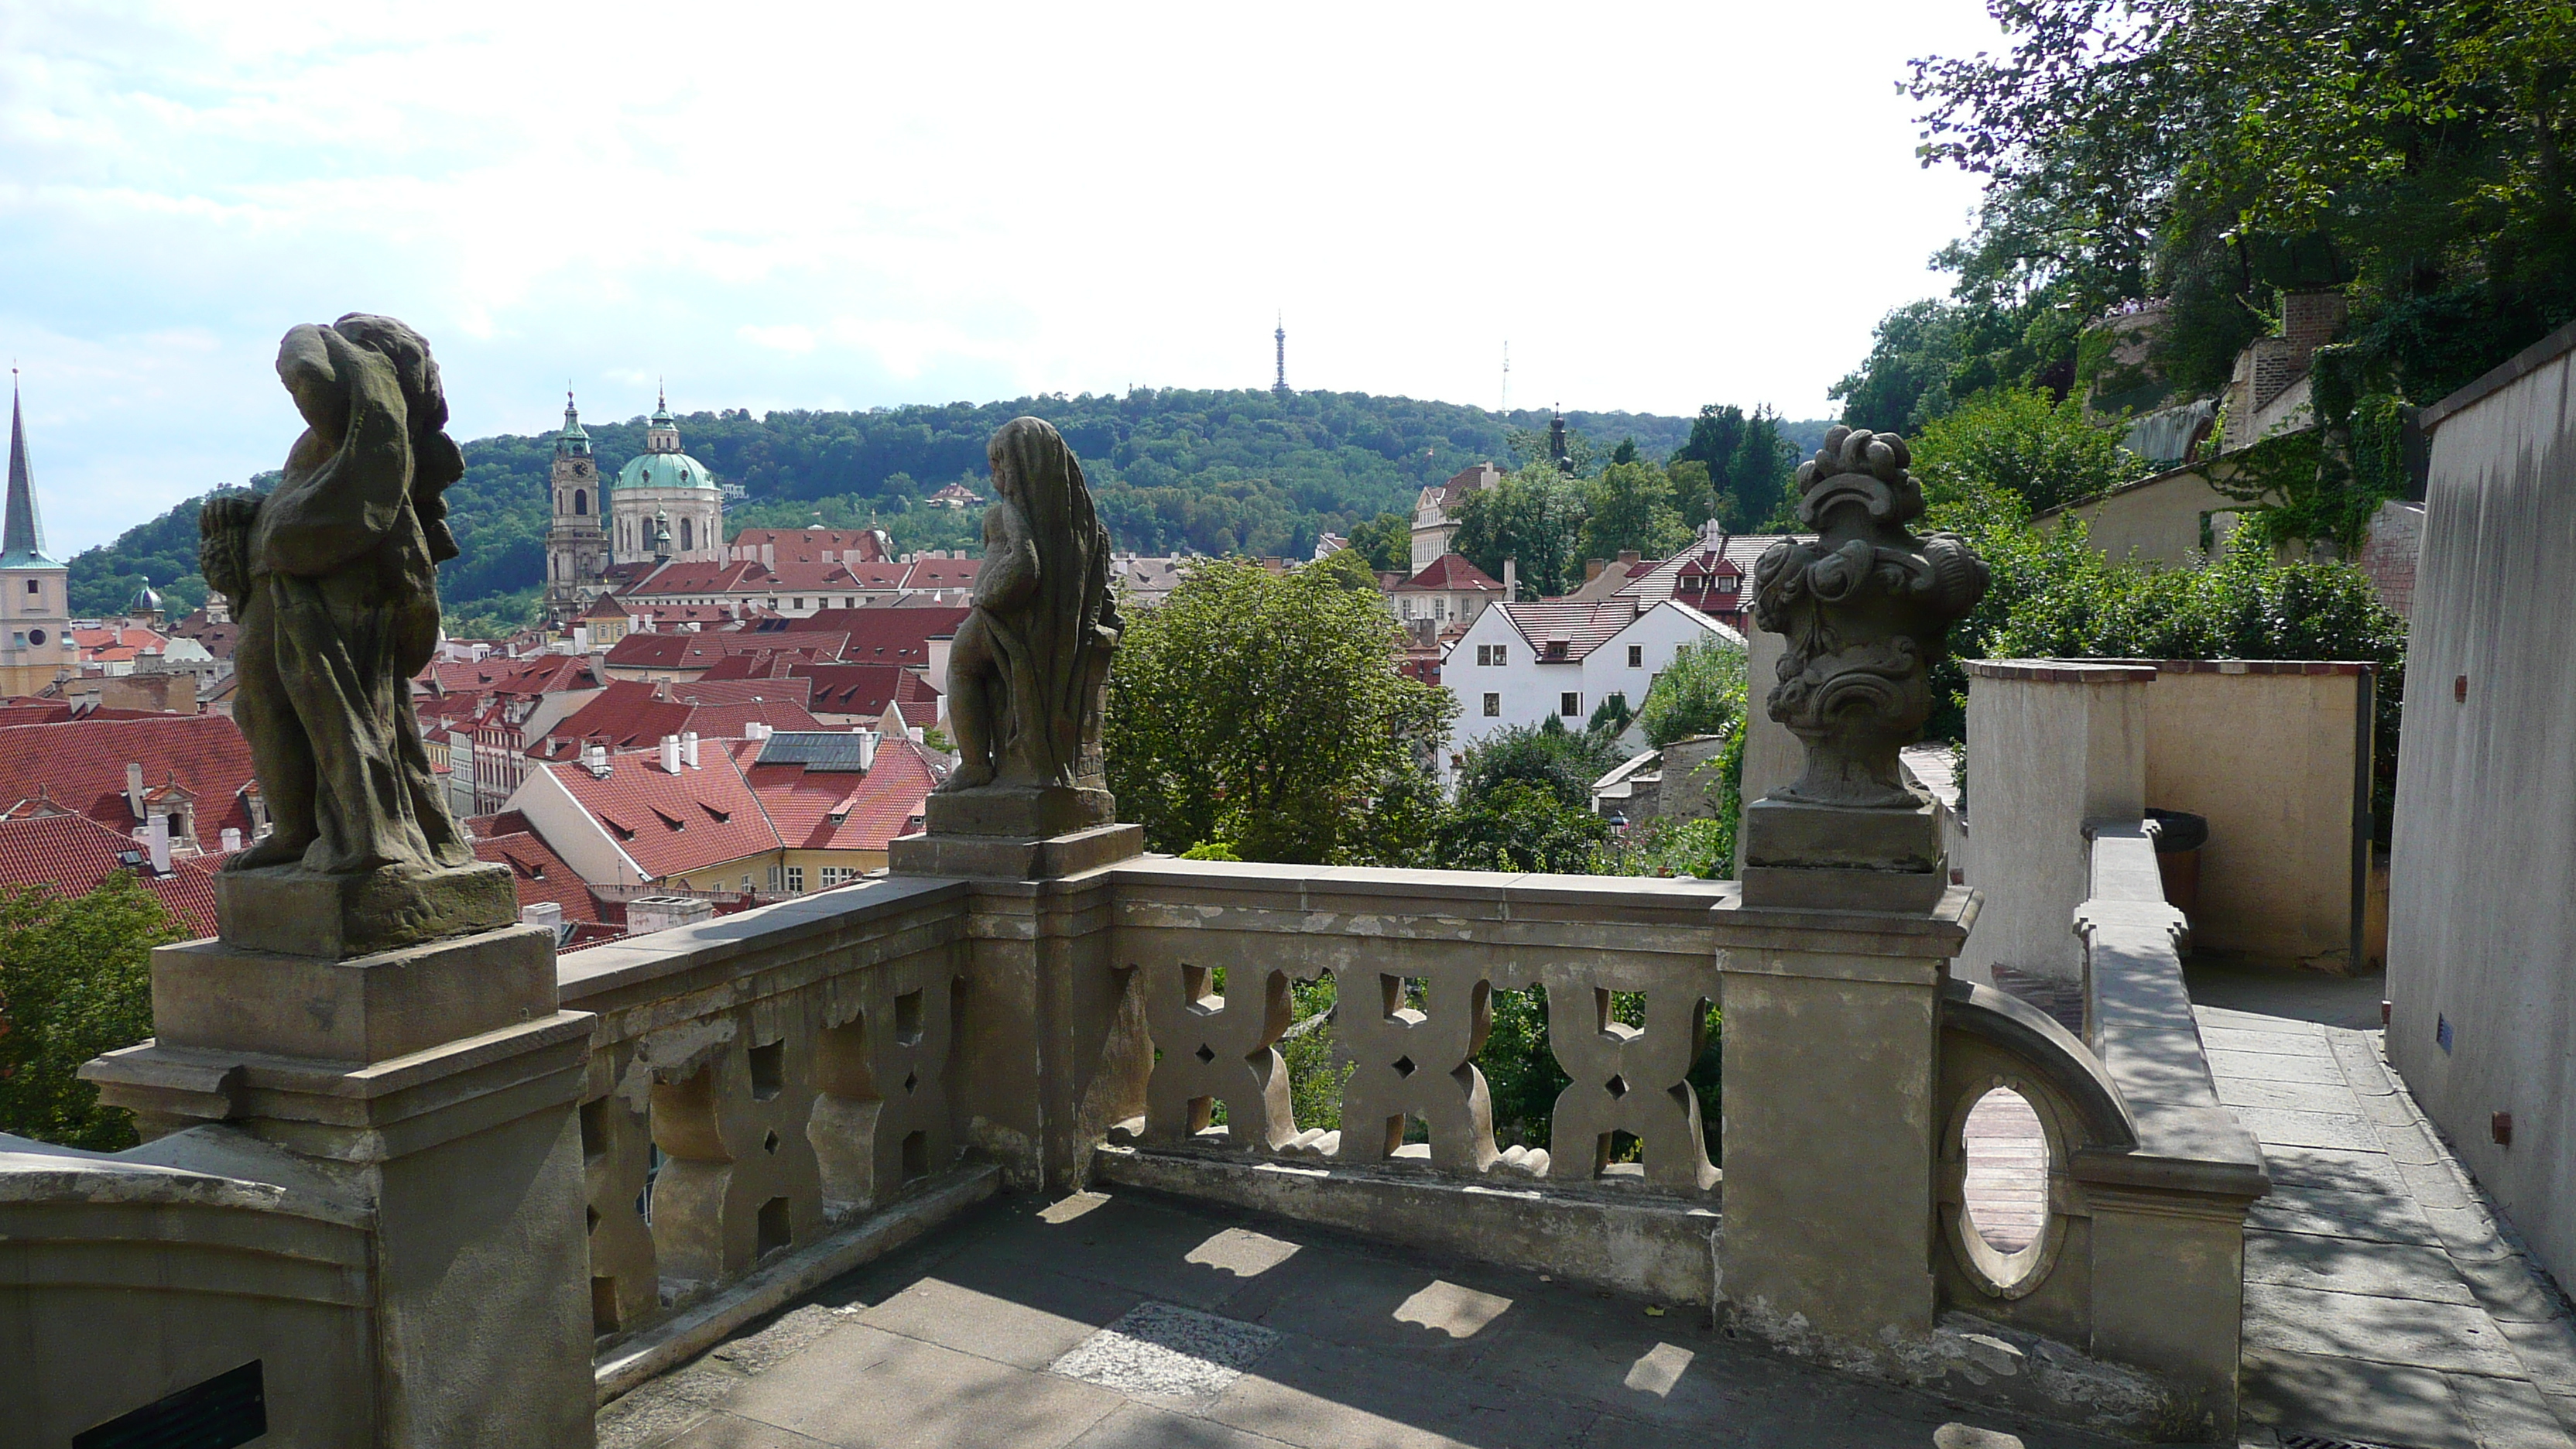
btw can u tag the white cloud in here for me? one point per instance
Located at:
(1658, 205)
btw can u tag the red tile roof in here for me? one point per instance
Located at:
(543, 674)
(1452, 573)
(82, 764)
(1563, 631)
(843, 809)
(630, 713)
(813, 542)
(943, 573)
(539, 873)
(1712, 554)
(671, 824)
(72, 854)
(865, 689)
(890, 636)
(748, 690)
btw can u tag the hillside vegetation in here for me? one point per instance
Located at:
(1175, 470)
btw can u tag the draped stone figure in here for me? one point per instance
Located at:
(335, 576)
(1029, 667)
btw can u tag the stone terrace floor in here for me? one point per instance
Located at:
(1099, 1322)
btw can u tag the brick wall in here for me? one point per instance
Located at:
(2388, 554)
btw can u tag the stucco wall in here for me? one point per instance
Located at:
(2482, 920)
(2267, 751)
(2155, 521)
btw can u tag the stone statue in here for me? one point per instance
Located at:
(1866, 611)
(1029, 667)
(334, 580)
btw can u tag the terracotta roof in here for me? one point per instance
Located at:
(1710, 555)
(72, 854)
(890, 636)
(943, 573)
(544, 674)
(672, 824)
(766, 664)
(695, 577)
(218, 639)
(788, 690)
(1470, 479)
(1452, 573)
(811, 541)
(844, 810)
(82, 764)
(1562, 631)
(1615, 576)
(865, 689)
(539, 873)
(118, 636)
(631, 714)
(34, 711)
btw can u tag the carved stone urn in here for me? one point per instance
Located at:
(1866, 610)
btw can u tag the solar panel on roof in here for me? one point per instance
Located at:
(815, 749)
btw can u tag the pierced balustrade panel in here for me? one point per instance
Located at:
(1409, 1023)
(753, 1119)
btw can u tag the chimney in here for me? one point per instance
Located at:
(1592, 568)
(595, 760)
(1511, 580)
(670, 754)
(548, 914)
(581, 638)
(232, 839)
(867, 751)
(1628, 555)
(134, 788)
(689, 749)
(158, 837)
(647, 914)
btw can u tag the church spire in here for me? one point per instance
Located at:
(574, 439)
(22, 538)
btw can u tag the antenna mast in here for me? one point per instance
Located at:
(1507, 375)
(1280, 387)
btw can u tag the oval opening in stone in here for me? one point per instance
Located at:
(2007, 1183)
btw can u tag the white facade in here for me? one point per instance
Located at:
(1502, 678)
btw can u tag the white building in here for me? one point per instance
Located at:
(1449, 591)
(1520, 664)
(1437, 511)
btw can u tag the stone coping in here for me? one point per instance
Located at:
(2141, 1021)
(211, 1166)
(2499, 377)
(2115, 671)
(619, 966)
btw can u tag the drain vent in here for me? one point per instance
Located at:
(2328, 1441)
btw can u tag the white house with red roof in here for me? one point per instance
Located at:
(1436, 513)
(1521, 664)
(1449, 590)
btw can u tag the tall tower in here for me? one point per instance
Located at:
(1280, 387)
(35, 591)
(576, 540)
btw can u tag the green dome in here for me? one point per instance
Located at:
(664, 470)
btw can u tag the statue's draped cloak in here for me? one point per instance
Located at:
(1052, 633)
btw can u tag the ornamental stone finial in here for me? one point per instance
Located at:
(1866, 610)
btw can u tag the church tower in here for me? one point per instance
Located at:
(667, 484)
(35, 591)
(576, 540)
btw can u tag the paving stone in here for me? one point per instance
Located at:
(2343, 1170)
(2265, 1066)
(1142, 1426)
(2289, 1096)
(2377, 1403)
(2385, 1330)
(2309, 1129)
(2341, 1265)
(1242, 1252)
(1325, 1396)
(1360, 1301)
(861, 1388)
(2507, 1289)
(2269, 1043)
(1166, 1353)
(1027, 1320)
(2376, 1217)
(725, 1431)
(2546, 1350)
(2510, 1414)
(1126, 1244)
(787, 1335)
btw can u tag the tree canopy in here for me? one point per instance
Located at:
(75, 981)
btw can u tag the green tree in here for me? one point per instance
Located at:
(1905, 381)
(1533, 517)
(1546, 755)
(1265, 711)
(1629, 507)
(75, 981)
(1386, 541)
(1700, 693)
(2042, 451)
(1518, 826)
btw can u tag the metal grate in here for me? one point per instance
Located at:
(226, 1410)
(2328, 1441)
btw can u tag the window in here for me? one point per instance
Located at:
(1493, 706)
(795, 880)
(685, 545)
(1636, 656)
(581, 502)
(32, 586)
(1502, 654)
(800, 603)
(838, 875)
(777, 878)
(1569, 704)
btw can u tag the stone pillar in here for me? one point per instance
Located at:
(2052, 746)
(436, 1085)
(1831, 1025)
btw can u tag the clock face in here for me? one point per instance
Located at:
(35, 636)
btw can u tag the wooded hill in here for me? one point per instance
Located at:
(1175, 470)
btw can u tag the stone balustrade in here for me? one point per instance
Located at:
(758, 1081)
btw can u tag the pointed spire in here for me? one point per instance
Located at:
(22, 538)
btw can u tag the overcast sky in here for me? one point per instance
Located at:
(849, 206)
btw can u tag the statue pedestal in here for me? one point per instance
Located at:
(1836, 858)
(292, 911)
(1015, 858)
(1018, 811)
(435, 1087)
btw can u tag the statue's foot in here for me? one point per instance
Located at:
(968, 777)
(275, 850)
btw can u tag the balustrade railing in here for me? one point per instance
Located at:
(1416, 960)
(759, 1080)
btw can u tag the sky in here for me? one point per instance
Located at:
(862, 205)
